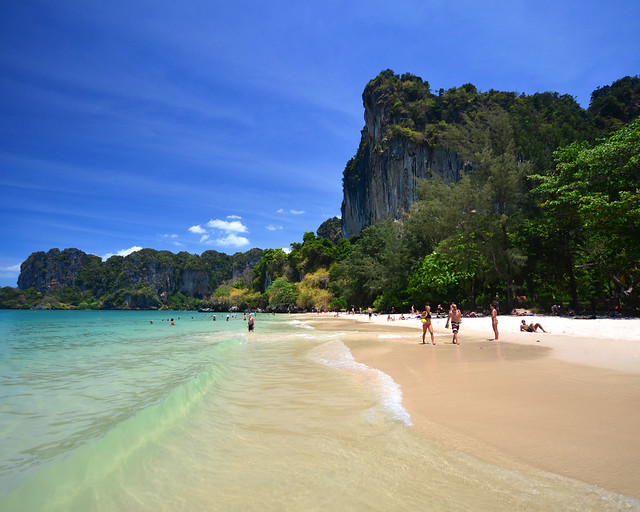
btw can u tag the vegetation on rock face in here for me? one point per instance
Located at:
(540, 123)
(546, 212)
(146, 279)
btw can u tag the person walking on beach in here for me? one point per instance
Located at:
(370, 312)
(452, 308)
(494, 322)
(456, 318)
(425, 318)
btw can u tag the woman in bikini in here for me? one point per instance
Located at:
(425, 318)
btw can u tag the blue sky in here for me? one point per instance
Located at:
(199, 125)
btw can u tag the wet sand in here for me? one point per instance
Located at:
(560, 402)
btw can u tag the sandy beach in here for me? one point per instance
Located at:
(565, 402)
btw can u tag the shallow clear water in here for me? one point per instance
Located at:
(106, 411)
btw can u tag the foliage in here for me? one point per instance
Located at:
(541, 123)
(591, 201)
(282, 294)
(615, 105)
(331, 229)
(313, 291)
(377, 266)
(273, 264)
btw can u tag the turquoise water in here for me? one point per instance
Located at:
(104, 410)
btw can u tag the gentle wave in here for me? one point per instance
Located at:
(336, 354)
(53, 487)
(300, 324)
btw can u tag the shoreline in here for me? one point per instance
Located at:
(564, 402)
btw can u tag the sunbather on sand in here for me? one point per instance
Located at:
(530, 327)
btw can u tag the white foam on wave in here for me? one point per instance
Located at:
(300, 324)
(336, 354)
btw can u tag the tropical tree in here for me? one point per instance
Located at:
(591, 211)
(378, 268)
(282, 294)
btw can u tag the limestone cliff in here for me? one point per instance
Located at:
(144, 279)
(53, 270)
(408, 132)
(380, 181)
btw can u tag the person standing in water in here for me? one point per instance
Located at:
(494, 322)
(251, 322)
(425, 318)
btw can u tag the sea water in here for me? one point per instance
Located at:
(122, 411)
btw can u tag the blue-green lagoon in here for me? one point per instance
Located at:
(122, 411)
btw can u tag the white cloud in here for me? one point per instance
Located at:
(167, 235)
(271, 227)
(286, 250)
(292, 212)
(225, 233)
(10, 271)
(198, 229)
(122, 252)
(234, 226)
(232, 240)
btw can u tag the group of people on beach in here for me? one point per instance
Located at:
(455, 318)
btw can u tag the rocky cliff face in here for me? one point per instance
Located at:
(52, 270)
(194, 283)
(144, 267)
(245, 262)
(381, 180)
(143, 279)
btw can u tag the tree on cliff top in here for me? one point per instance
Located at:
(615, 105)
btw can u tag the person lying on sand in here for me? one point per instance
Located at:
(531, 327)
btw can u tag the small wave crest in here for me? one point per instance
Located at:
(300, 324)
(336, 354)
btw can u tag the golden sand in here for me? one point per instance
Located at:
(565, 402)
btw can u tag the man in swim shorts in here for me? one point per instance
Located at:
(456, 319)
(452, 308)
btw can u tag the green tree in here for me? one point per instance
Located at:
(591, 212)
(491, 193)
(282, 294)
(379, 266)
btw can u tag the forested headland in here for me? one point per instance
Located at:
(542, 210)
